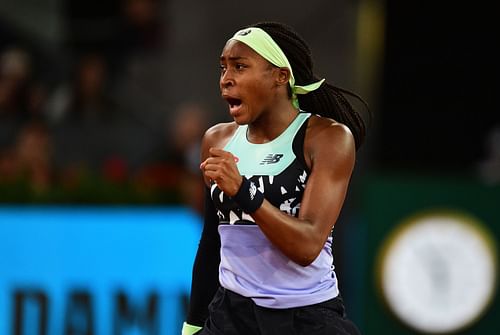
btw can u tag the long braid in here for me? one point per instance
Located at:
(329, 100)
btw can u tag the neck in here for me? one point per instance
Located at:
(272, 123)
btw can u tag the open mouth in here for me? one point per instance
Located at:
(233, 102)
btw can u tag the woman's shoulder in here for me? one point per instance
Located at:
(327, 140)
(220, 131)
(326, 128)
(218, 135)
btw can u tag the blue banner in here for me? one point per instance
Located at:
(95, 270)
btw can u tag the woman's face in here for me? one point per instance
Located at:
(247, 82)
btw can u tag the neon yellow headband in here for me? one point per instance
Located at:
(264, 45)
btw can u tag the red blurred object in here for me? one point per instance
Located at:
(115, 170)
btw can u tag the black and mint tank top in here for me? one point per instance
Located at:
(250, 264)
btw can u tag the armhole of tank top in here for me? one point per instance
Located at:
(233, 137)
(298, 145)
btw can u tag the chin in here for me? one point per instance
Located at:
(240, 120)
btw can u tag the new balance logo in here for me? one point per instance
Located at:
(244, 32)
(271, 159)
(252, 190)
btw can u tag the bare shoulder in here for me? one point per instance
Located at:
(219, 132)
(217, 136)
(322, 128)
(326, 137)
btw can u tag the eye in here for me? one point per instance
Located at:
(240, 66)
(222, 68)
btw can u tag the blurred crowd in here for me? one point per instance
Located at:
(70, 127)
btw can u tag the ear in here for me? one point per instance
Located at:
(283, 76)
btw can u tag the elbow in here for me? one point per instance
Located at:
(307, 258)
(309, 250)
(304, 262)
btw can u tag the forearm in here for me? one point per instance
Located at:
(297, 238)
(205, 282)
(300, 238)
(205, 277)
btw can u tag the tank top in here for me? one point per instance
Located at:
(250, 264)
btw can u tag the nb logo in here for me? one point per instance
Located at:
(252, 190)
(271, 159)
(245, 32)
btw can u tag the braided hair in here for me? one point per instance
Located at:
(329, 100)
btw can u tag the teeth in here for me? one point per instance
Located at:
(233, 102)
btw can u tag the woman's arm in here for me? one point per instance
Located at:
(205, 278)
(332, 155)
(329, 148)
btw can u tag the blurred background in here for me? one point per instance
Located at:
(102, 108)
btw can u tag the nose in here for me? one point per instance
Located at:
(226, 80)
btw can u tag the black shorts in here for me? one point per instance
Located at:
(233, 314)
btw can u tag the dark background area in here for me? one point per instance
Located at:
(441, 80)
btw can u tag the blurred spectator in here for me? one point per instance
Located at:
(34, 152)
(30, 158)
(178, 156)
(15, 72)
(185, 133)
(84, 115)
(21, 99)
(85, 98)
(21, 94)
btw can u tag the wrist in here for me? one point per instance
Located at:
(248, 197)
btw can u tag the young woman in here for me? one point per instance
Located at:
(276, 180)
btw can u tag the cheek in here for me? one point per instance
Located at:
(260, 91)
